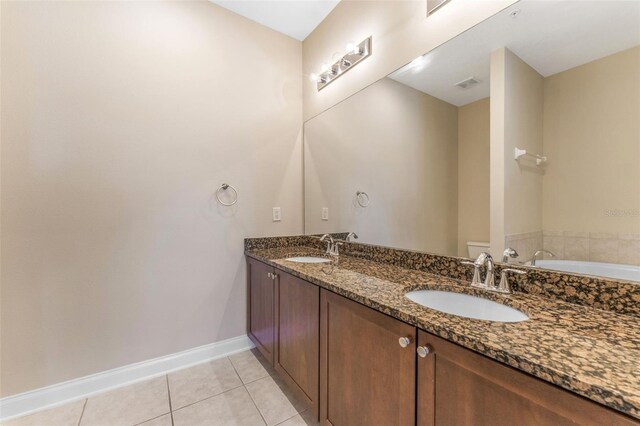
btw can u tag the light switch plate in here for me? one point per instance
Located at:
(277, 217)
(325, 213)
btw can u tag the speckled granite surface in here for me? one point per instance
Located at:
(612, 295)
(592, 352)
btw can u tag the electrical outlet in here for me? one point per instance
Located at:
(325, 213)
(277, 217)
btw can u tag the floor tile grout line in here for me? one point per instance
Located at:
(238, 373)
(235, 370)
(286, 420)
(152, 418)
(255, 380)
(244, 385)
(209, 397)
(84, 406)
(271, 373)
(169, 394)
(256, 405)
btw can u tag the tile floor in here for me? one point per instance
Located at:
(241, 389)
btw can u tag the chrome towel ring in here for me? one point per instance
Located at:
(224, 187)
(363, 199)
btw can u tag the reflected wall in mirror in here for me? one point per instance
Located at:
(399, 146)
(434, 144)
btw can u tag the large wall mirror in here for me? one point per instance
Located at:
(506, 136)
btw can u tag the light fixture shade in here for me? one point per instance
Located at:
(433, 5)
(355, 54)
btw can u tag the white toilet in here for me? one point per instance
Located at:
(476, 247)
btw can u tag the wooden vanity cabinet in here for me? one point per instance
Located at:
(457, 386)
(297, 336)
(261, 307)
(347, 362)
(283, 321)
(366, 376)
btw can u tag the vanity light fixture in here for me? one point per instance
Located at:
(354, 54)
(433, 5)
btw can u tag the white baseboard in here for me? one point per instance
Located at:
(72, 390)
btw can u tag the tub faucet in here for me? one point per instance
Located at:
(538, 253)
(509, 253)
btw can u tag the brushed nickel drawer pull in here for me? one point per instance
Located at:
(404, 341)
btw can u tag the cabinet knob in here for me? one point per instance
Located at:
(423, 351)
(404, 341)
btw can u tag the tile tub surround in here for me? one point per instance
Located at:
(591, 352)
(594, 246)
(525, 244)
(608, 294)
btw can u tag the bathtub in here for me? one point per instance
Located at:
(609, 270)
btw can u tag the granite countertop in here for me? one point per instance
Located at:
(591, 352)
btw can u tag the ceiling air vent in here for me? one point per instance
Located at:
(467, 82)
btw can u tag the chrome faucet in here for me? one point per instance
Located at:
(509, 253)
(476, 281)
(505, 286)
(351, 235)
(332, 246)
(538, 253)
(490, 279)
(330, 242)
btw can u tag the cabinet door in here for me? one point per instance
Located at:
(260, 307)
(457, 386)
(298, 336)
(366, 376)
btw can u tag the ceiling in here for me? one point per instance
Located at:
(551, 36)
(295, 18)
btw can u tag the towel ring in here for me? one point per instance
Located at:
(363, 199)
(224, 187)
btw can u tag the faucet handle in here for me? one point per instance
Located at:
(476, 281)
(504, 286)
(351, 235)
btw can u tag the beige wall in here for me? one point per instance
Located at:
(592, 139)
(400, 31)
(119, 121)
(496, 154)
(473, 174)
(518, 121)
(400, 146)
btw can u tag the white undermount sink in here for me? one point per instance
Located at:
(308, 259)
(465, 305)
